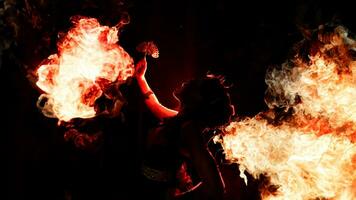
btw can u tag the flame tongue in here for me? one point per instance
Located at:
(88, 54)
(312, 155)
(301, 164)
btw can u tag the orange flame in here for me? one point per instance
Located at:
(311, 154)
(88, 61)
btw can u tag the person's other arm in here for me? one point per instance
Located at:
(212, 186)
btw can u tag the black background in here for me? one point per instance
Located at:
(238, 39)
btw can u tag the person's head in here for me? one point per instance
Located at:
(206, 99)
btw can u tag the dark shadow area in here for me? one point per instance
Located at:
(236, 39)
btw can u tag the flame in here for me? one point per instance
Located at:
(310, 154)
(301, 164)
(88, 61)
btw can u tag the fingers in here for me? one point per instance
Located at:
(141, 67)
(142, 63)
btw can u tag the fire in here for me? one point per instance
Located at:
(88, 61)
(301, 164)
(310, 154)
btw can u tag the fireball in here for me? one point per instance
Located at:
(312, 153)
(88, 61)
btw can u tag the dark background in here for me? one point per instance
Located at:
(238, 39)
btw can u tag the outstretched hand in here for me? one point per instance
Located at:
(141, 67)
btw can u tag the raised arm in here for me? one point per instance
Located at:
(151, 100)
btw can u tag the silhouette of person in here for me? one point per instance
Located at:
(177, 146)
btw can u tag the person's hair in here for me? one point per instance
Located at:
(206, 98)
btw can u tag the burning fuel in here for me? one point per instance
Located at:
(88, 62)
(309, 153)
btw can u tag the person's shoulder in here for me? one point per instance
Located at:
(191, 129)
(189, 124)
(193, 124)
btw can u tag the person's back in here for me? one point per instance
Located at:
(162, 148)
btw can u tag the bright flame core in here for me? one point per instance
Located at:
(311, 154)
(88, 61)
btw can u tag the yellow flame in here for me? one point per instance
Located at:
(323, 91)
(312, 155)
(88, 60)
(301, 164)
